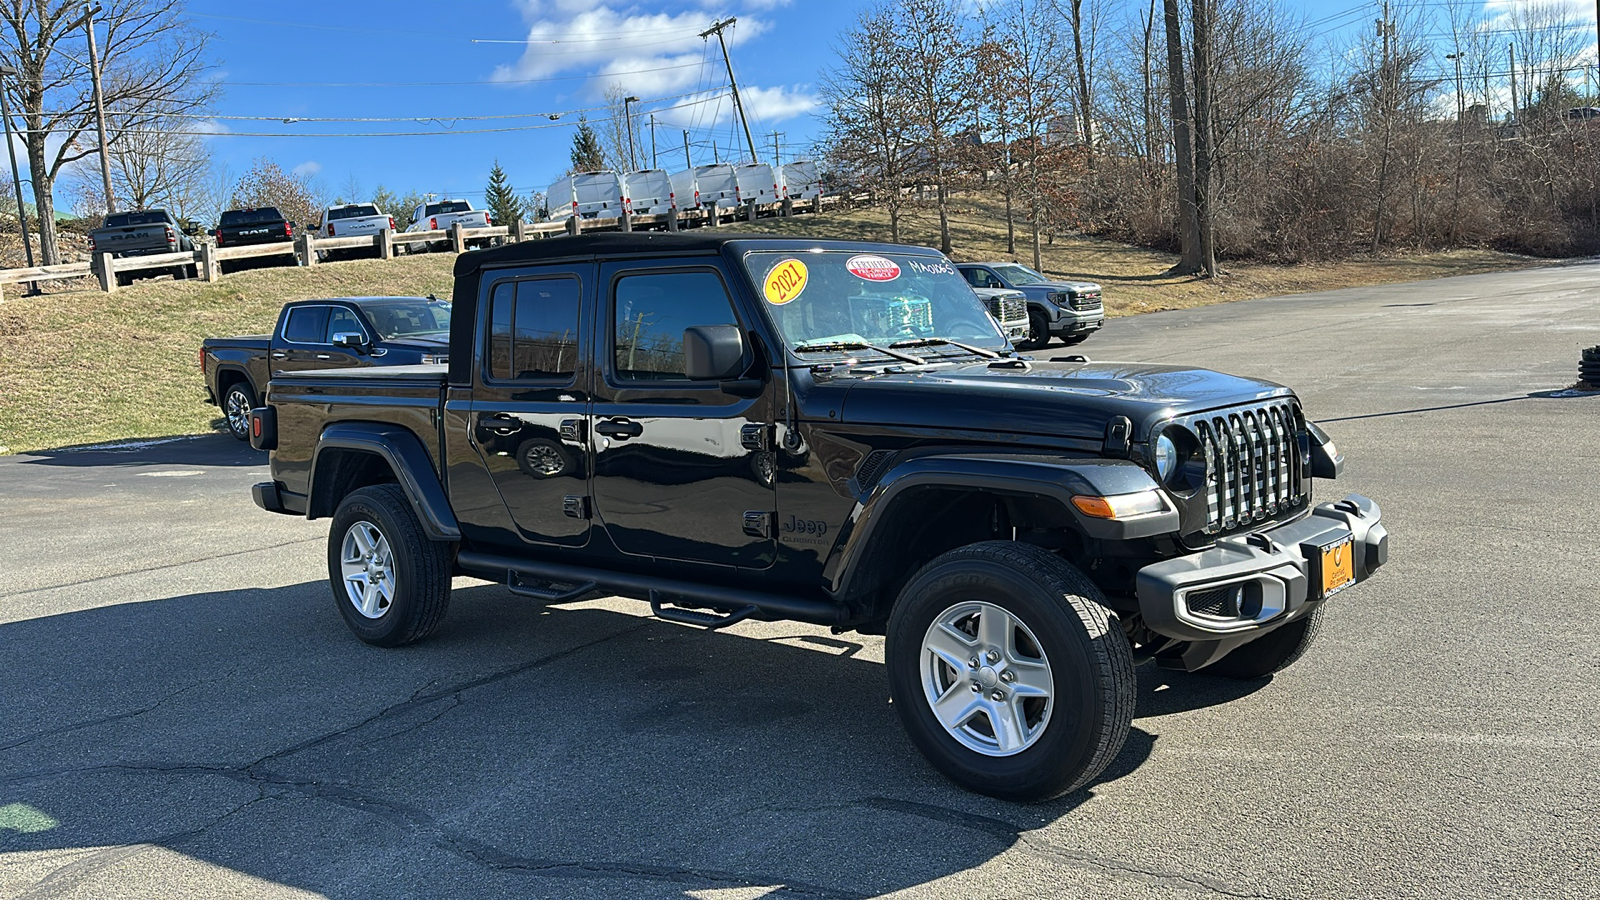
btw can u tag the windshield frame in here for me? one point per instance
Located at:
(945, 350)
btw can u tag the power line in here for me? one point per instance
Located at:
(488, 81)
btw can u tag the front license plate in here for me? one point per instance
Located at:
(1338, 567)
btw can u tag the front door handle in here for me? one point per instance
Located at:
(279, 354)
(621, 429)
(323, 356)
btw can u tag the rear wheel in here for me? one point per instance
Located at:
(123, 278)
(1272, 653)
(237, 401)
(391, 584)
(1008, 673)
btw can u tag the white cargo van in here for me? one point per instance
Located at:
(703, 187)
(798, 181)
(757, 184)
(648, 192)
(587, 195)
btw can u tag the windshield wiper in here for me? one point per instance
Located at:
(858, 345)
(931, 341)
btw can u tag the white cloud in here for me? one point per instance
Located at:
(307, 169)
(776, 104)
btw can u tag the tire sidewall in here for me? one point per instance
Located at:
(1069, 738)
(391, 627)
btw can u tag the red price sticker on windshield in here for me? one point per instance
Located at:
(873, 268)
(785, 282)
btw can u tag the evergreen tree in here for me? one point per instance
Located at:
(503, 203)
(587, 156)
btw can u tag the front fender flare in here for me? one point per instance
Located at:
(1056, 478)
(412, 467)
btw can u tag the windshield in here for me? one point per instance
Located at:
(842, 301)
(264, 216)
(449, 206)
(1020, 275)
(404, 317)
(351, 212)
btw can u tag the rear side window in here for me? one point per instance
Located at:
(306, 325)
(649, 314)
(533, 329)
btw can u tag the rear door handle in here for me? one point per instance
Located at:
(621, 429)
(323, 356)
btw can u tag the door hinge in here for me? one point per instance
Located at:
(756, 437)
(575, 506)
(758, 523)
(572, 430)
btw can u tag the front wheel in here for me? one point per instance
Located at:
(1038, 332)
(391, 584)
(1008, 672)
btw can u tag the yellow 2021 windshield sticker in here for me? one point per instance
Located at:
(785, 282)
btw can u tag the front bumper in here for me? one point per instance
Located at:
(1072, 322)
(1248, 585)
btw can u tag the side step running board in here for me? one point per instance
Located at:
(537, 591)
(709, 621)
(526, 576)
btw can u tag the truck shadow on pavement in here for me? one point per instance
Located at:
(569, 751)
(179, 450)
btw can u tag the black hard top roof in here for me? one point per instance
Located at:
(634, 243)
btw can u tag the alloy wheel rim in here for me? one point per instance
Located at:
(986, 678)
(238, 412)
(546, 461)
(366, 564)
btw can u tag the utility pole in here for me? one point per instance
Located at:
(777, 158)
(716, 155)
(99, 108)
(16, 178)
(654, 161)
(687, 162)
(1516, 112)
(716, 29)
(627, 104)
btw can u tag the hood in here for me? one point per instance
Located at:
(440, 344)
(1078, 286)
(1065, 399)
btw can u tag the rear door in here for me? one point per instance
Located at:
(528, 418)
(682, 470)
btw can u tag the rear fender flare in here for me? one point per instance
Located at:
(407, 458)
(1055, 479)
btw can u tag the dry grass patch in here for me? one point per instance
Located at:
(84, 366)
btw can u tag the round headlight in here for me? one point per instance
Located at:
(1166, 454)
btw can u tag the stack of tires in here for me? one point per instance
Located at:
(1589, 367)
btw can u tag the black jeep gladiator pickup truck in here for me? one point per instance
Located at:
(736, 427)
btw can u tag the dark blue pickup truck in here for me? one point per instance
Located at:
(323, 334)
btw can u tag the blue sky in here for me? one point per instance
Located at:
(351, 58)
(526, 60)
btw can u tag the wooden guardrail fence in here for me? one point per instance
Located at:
(205, 261)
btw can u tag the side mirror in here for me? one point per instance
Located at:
(713, 352)
(350, 340)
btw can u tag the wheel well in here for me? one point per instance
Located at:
(931, 521)
(227, 378)
(340, 471)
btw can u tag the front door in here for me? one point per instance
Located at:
(683, 470)
(307, 339)
(529, 413)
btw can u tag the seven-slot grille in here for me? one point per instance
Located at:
(1085, 300)
(1253, 465)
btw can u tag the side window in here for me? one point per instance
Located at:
(649, 314)
(306, 325)
(342, 321)
(533, 329)
(973, 276)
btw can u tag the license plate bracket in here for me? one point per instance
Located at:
(1336, 565)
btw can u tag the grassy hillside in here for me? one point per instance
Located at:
(80, 366)
(125, 365)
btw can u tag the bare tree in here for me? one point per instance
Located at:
(932, 63)
(870, 138)
(620, 141)
(267, 184)
(1027, 28)
(152, 61)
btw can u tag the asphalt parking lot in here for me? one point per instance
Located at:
(182, 713)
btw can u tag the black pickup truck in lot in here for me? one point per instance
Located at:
(741, 427)
(253, 227)
(345, 333)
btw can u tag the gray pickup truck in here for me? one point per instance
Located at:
(143, 232)
(1070, 310)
